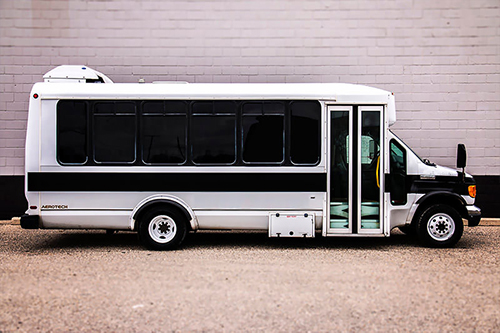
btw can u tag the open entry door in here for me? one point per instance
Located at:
(355, 170)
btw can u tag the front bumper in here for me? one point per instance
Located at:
(474, 215)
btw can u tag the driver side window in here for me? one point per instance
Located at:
(398, 174)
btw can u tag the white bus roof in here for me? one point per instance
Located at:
(340, 93)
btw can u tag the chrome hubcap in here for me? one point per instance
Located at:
(441, 227)
(162, 229)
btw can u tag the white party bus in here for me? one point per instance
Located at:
(295, 160)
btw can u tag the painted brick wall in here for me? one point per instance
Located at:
(440, 58)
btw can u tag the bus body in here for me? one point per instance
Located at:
(293, 159)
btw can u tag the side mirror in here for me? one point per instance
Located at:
(461, 156)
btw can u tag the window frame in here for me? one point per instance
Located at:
(93, 131)
(85, 103)
(141, 136)
(139, 116)
(285, 105)
(214, 113)
(290, 135)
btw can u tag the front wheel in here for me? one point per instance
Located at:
(162, 229)
(440, 226)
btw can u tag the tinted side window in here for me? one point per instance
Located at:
(213, 132)
(114, 132)
(305, 132)
(163, 129)
(263, 134)
(72, 132)
(179, 132)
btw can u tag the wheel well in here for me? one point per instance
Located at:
(157, 204)
(442, 199)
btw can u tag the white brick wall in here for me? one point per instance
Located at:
(440, 58)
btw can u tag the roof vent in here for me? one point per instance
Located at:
(75, 74)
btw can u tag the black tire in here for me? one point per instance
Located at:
(440, 226)
(408, 230)
(162, 228)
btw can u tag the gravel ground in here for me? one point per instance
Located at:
(53, 280)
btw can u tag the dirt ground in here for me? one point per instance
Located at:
(64, 281)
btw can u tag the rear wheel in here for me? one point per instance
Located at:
(440, 226)
(162, 228)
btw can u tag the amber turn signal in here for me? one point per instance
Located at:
(472, 191)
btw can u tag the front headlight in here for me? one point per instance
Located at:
(472, 191)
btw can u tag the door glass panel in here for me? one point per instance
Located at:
(370, 169)
(339, 173)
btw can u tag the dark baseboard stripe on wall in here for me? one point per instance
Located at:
(488, 188)
(12, 200)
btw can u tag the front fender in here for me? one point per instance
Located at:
(439, 197)
(446, 194)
